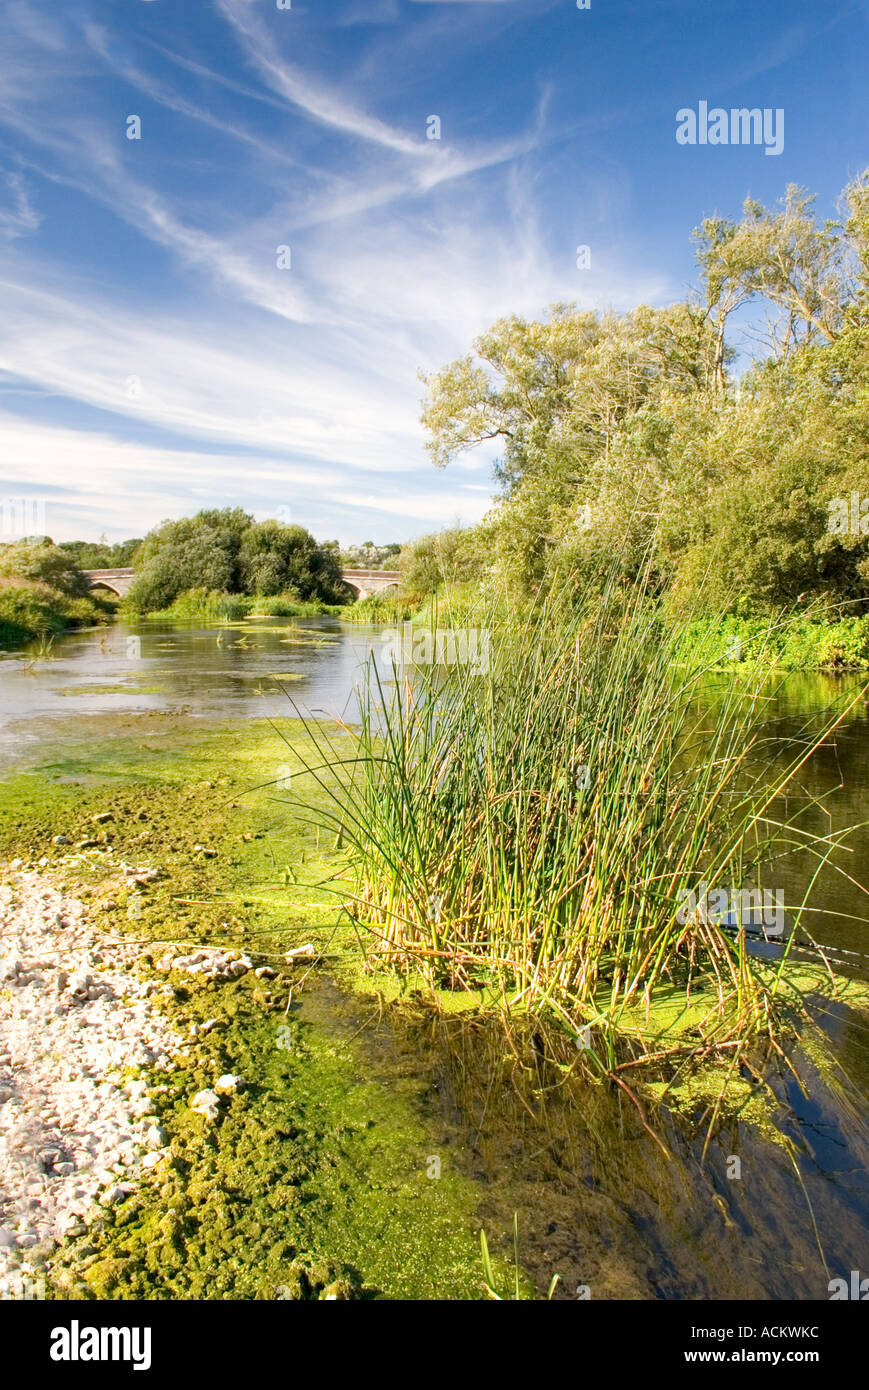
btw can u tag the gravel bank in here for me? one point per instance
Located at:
(76, 1024)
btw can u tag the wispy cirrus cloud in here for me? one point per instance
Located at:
(17, 216)
(152, 325)
(316, 99)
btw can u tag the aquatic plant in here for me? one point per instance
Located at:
(528, 828)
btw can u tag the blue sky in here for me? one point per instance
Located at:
(153, 357)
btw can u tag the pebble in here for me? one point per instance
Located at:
(206, 1103)
(74, 1020)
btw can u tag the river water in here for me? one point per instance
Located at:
(241, 670)
(634, 1225)
(261, 668)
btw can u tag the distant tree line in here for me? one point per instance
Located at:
(99, 555)
(369, 556)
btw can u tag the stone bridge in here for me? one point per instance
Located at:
(365, 582)
(368, 582)
(118, 581)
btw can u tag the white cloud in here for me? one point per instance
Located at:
(20, 217)
(93, 482)
(258, 377)
(316, 99)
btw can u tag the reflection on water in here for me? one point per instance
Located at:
(597, 1202)
(215, 671)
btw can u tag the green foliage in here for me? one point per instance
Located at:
(43, 563)
(193, 553)
(795, 643)
(289, 606)
(227, 553)
(99, 555)
(210, 605)
(43, 591)
(29, 610)
(444, 557)
(528, 829)
(624, 440)
(389, 606)
(277, 559)
(371, 557)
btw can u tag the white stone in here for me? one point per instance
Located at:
(206, 1103)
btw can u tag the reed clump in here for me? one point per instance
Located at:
(526, 828)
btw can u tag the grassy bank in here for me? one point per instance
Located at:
(31, 610)
(209, 605)
(384, 608)
(792, 643)
(317, 1181)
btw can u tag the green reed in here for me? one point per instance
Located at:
(530, 830)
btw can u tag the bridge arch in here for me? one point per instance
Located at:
(116, 581)
(364, 583)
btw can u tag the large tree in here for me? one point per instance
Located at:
(625, 436)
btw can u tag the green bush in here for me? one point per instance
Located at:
(795, 642)
(291, 606)
(43, 563)
(226, 552)
(208, 604)
(29, 610)
(389, 606)
(212, 605)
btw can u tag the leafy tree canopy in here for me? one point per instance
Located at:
(228, 552)
(628, 435)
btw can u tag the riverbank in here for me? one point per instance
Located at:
(32, 611)
(299, 1176)
(793, 643)
(359, 1146)
(29, 611)
(208, 605)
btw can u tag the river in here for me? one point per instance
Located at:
(609, 1197)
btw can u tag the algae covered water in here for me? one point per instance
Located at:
(374, 1142)
(229, 670)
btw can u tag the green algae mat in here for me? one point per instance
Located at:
(318, 1180)
(359, 1159)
